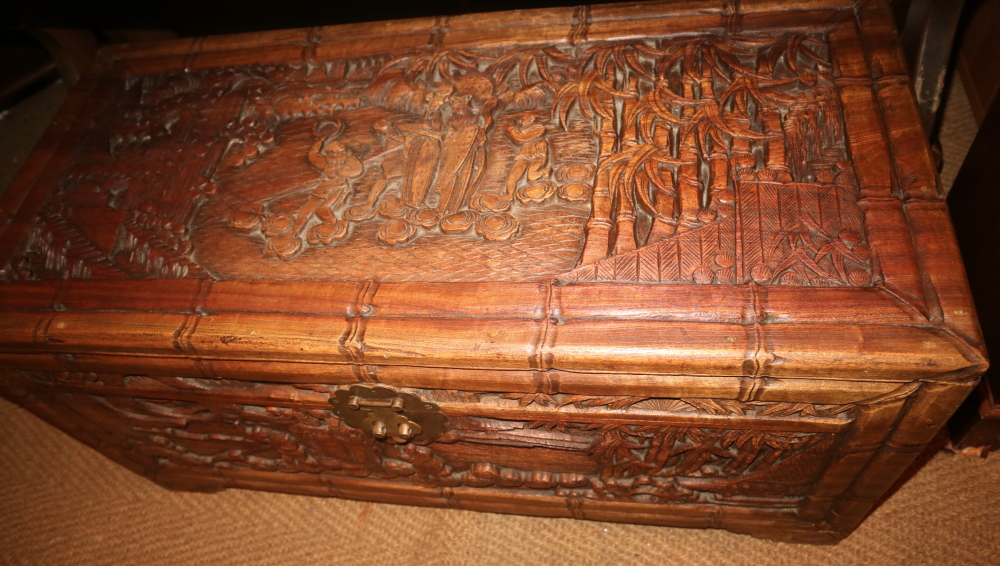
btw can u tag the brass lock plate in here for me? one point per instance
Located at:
(386, 413)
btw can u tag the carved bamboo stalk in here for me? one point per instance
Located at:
(598, 230)
(689, 173)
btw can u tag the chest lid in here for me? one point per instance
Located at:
(541, 198)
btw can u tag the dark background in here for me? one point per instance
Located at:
(208, 17)
(74, 29)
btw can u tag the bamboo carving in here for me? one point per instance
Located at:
(711, 159)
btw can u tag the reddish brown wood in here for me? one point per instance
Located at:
(681, 264)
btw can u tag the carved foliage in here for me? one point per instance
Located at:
(632, 450)
(705, 406)
(707, 159)
(645, 463)
(722, 161)
(579, 401)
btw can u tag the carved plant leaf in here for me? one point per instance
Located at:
(717, 406)
(695, 435)
(525, 399)
(785, 440)
(832, 410)
(618, 403)
(699, 453)
(623, 402)
(744, 459)
(554, 425)
(735, 438)
(733, 128)
(567, 96)
(614, 450)
(632, 60)
(462, 58)
(661, 448)
(786, 409)
(577, 400)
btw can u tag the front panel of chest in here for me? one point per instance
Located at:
(691, 461)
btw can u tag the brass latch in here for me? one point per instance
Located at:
(389, 414)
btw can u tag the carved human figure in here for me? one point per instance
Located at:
(390, 171)
(532, 158)
(446, 147)
(441, 162)
(462, 146)
(339, 165)
(422, 149)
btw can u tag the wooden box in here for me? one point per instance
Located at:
(680, 264)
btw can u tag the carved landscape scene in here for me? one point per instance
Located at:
(706, 159)
(571, 449)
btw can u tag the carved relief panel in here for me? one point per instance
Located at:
(575, 446)
(706, 159)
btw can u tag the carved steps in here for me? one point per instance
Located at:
(68, 252)
(698, 255)
(141, 251)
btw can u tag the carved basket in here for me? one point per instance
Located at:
(680, 265)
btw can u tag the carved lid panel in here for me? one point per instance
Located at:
(716, 158)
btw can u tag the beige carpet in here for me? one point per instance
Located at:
(62, 503)
(958, 129)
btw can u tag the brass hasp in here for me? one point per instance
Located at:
(386, 413)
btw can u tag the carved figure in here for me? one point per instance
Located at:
(390, 171)
(704, 159)
(463, 153)
(423, 149)
(532, 157)
(651, 463)
(339, 165)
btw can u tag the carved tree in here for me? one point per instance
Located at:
(672, 116)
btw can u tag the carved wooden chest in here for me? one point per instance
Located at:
(673, 264)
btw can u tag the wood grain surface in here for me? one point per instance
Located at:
(680, 264)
